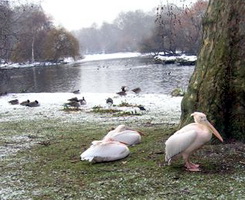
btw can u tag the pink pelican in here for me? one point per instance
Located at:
(105, 150)
(124, 135)
(190, 138)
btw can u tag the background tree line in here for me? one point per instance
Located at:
(27, 34)
(171, 28)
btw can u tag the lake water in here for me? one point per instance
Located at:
(104, 76)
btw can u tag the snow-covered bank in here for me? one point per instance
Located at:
(180, 59)
(22, 65)
(159, 108)
(95, 57)
(69, 60)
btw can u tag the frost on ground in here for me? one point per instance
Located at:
(159, 109)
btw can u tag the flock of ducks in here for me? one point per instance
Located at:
(25, 103)
(124, 90)
(75, 102)
(113, 146)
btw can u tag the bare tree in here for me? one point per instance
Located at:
(5, 29)
(177, 28)
(188, 27)
(31, 22)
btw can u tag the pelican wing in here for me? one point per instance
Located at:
(128, 137)
(110, 134)
(118, 129)
(105, 151)
(178, 142)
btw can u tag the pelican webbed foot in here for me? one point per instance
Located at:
(192, 167)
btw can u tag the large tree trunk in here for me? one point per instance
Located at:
(217, 86)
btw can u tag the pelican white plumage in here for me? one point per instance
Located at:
(124, 135)
(105, 150)
(190, 138)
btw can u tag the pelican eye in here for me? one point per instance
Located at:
(204, 118)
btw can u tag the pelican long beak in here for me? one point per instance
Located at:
(113, 140)
(124, 143)
(214, 131)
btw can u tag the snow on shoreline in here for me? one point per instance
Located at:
(95, 57)
(160, 108)
(69, 60)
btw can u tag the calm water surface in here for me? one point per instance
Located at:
(106, 76)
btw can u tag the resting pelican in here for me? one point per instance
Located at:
(190, 138)
(125, 135)
(105, 150)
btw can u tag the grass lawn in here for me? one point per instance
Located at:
(47, 165)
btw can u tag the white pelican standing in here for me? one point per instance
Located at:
(105, 150)
(190, 138)
(124, 135)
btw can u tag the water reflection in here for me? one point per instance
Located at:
(97, 77)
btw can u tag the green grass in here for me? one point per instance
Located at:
(51, 168)
(101, 110)
(114, 112)
(126, 104)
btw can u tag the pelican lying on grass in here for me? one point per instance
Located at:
(125, 135)
(105, 150)
(190, 138)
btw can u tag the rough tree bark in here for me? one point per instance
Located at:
(217, 86)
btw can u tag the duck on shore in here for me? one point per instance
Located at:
(109, 101)
(136, 90)
(33, 104)
(82, 101)
(25, 103)
(123, 91)
(14, 102)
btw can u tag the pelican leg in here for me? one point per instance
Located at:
(189, 165)
(195, 165)
(192, 167)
